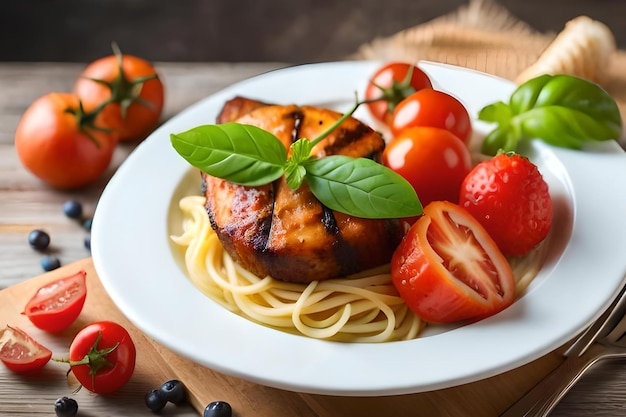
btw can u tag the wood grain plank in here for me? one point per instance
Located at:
(34, 395)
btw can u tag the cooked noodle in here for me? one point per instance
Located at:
(363, 308)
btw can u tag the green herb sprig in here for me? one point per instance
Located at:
(250, 156)
(562, 110)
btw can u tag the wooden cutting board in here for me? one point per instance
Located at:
(155, 365)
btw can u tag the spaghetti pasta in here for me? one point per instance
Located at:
(361, 308)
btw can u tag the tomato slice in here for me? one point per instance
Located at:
(448, 268)
(20, 352)
(56, 305)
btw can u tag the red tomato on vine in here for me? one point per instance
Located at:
(64, 145)
(132, 87)
(393, 82)
(102, 357)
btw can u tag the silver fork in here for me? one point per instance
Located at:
(604, 339)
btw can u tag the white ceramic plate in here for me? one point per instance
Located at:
(142, 273)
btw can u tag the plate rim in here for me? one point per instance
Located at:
(325, 352)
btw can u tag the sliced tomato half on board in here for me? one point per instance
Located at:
(56, 305)
(448, 269)
(20, 352)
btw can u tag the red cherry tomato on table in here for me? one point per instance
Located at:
(433, 108)
(509, 197)
(133, 86)
(390, 81)
(432, 160)
(63, 145)
(21, 353)
(56, 305)
(102, 357)
(447, 268)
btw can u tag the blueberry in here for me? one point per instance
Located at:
(174, 391)
(48, 263)
(73, 209)
(38, 239)
(88, 242)
(218, 409)
(155, 400)
(66, 407)
(87, 224)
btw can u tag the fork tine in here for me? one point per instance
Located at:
(601, 327)
(617, 332)
(609, 328)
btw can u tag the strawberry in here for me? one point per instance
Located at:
(509, 197)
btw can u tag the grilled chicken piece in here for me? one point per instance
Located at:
(289, 235)
(237, 107)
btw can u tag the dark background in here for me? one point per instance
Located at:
(245, 30)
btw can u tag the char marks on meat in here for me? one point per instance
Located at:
(289, 235)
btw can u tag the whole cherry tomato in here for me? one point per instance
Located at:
(433, 108)
(133, 87)
(447, 268)
(21, 353)
(509, 197)
(392, 83)
(432, 160)
(102, 357)
(64, 145)
(57, 304)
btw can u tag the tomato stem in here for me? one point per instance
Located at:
(397, 92)
(393, 95)
(86, 120)
(342, 119)
(95, 358)
(124, 91)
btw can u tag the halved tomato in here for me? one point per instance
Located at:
(20, 352)
(56, 305)
(447, 268)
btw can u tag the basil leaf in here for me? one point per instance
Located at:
(525, 96)
(562, 110)
(294, 170)
(501, 138)
(294, 174)
(496, 113)
(361, 187)
(301, 150)
(242, 154)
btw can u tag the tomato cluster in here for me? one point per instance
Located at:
(452, 264)
(102, 354)
(430, 128)
(68, 139)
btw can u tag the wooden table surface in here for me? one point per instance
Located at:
(27, 204)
